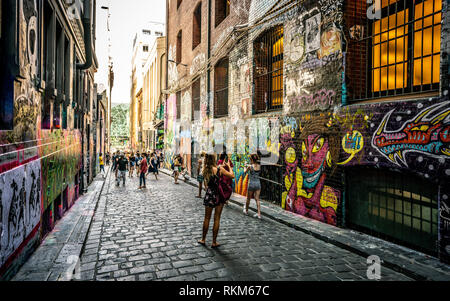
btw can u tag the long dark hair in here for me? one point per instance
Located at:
(210, 162)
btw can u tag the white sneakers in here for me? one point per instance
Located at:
(246, 213)
(257, 216)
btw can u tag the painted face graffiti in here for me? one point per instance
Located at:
(427, 133)
(314, 154)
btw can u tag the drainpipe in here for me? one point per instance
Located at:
(87, 35)
(208, 85)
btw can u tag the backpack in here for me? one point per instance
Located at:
(225, 190)
(212, 198)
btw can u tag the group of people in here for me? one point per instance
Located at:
(216, 176)
(143, 164)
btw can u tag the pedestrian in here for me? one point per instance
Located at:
(177, 167)
(153, 165)
(115, 161)
(200, 178)
(123, 167)
(212, 201)
(161, 160)
(102, 164)
(254, 185)
(108, 158)
(137, 161)
(143, 170)
(132, 161)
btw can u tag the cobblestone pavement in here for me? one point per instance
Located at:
(152, 235)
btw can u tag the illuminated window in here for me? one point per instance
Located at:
(268, 72)
(404, 21)
(396, 54)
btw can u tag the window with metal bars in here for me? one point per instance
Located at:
(197, 26)
(222, 8)
(195, 98)
(268, 70)
(394, 207)
(397, 54)
(178, 100)
(179, 47)
(221, 88)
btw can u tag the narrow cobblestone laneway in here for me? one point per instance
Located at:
(152, 235)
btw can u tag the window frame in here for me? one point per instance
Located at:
(367, 90)
(221, 110)
(274, 34)
(227, 5)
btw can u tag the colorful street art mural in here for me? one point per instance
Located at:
(311, 151)
(321, 137)
(61, 161)
(20, 206)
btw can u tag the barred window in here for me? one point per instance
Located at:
(221, 88)
(195, 98)
(197, 26)
(179, 46)
(399, 54)
(178, 100)
(222, 10)
(268, 70)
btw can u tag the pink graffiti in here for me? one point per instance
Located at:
(321, 97)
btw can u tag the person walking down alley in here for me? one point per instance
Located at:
(143, 171)
(212, 201)
(177, 163)
(254, 185)
(153, 165)
(102, 165)
(108, 158)
(122, 165)
(116, 158)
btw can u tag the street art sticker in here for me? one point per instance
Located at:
(330, 42)
(313, 33)
(427, 133)
(20, 206)
(352, 143)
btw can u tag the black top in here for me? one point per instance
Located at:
(123, 164)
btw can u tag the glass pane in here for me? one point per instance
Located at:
(416, 210)
(437, 39)
(426, 71)
(417, 72)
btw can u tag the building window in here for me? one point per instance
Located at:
(145, 48)
(147, 32)
(197, 26)
(49, 47)
(158, 33)
(268, 70)
(195, 98)
(221, 88)
(222, 10)
(179, 3)
(178, 100)
(399, 54)
(179, 46)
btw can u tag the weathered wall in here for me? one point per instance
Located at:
(317, 139)
(38, 167)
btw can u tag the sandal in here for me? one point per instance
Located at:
(215, 246)
(202, 243)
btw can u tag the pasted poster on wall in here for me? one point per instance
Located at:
(20, 206)
(313, 33)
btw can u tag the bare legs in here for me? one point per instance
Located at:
(176, 176)
(200, 184)
(217, 214)
(255, 195)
